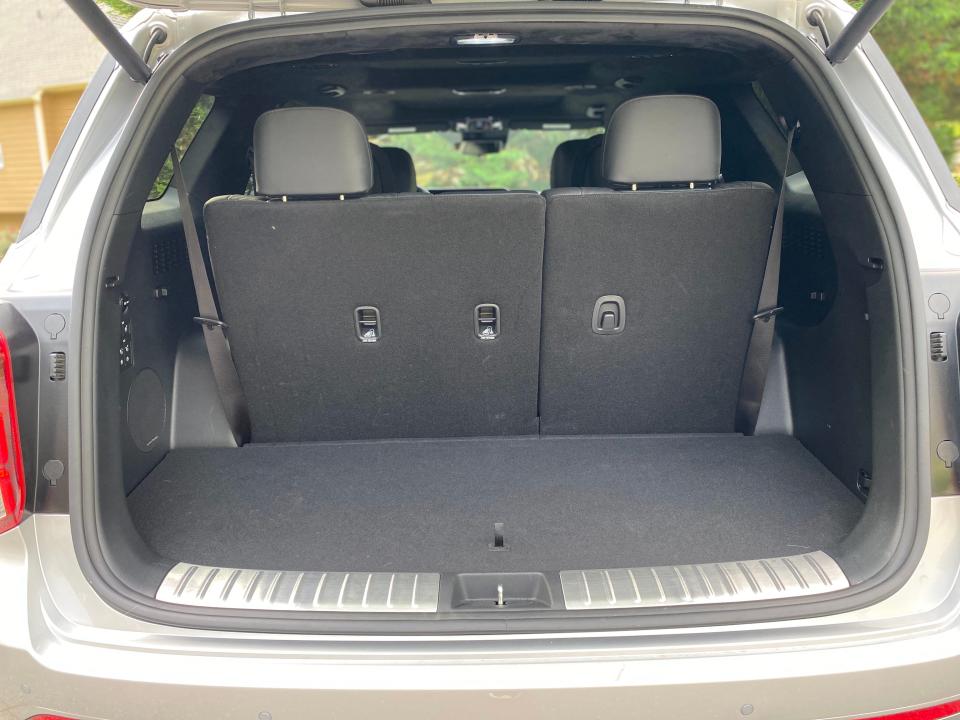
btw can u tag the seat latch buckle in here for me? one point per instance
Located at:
(769, 313)
(210, 322)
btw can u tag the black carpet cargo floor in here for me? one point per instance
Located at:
(430, 505)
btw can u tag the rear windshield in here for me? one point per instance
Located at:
(522, 164)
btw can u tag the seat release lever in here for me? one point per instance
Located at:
(367, 323)
(486, 321)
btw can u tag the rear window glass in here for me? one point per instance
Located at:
(522, 164)
(190, 129)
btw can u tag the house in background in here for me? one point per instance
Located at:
(47, 57)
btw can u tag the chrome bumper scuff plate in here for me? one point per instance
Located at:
(671, 585)
(232, 588)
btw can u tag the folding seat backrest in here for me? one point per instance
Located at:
(354, 316)
(651, 283)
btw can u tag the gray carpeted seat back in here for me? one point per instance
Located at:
(370, 316)
(650, 285)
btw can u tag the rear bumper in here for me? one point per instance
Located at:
(809, 697)
(63, 650)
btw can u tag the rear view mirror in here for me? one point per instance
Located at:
(481, 136)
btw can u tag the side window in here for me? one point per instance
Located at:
(190, 129)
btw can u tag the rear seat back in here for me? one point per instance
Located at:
(650, 286)
(354, 316)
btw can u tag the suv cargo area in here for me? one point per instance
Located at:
(465, 401)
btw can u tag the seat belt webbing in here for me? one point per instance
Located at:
(214, 329)
(764, 321)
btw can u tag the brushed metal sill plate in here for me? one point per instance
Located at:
(671, 585)
(237, 589)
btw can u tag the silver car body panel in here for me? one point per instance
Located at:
(64, 648)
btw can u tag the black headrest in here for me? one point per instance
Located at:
(311, 152)
(382, 171)
(404, 172)
(563, 166)
(663, 139)
(572, 163)
(393, 170)
(593, 168)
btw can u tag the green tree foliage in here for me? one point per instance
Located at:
(921, 38)
(119, 7)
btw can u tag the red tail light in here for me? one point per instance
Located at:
(937, 712)
(12, 487)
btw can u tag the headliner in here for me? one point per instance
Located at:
(564, 76)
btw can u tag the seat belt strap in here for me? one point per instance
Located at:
(757, 360)
(214, 329)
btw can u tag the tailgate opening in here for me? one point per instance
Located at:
(813, 513)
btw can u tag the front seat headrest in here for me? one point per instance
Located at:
(404, 172)
(382, 171)
(311, 152)
(393, 170)
(663, 139)
(572, 162)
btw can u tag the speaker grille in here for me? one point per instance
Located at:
(169, 253)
